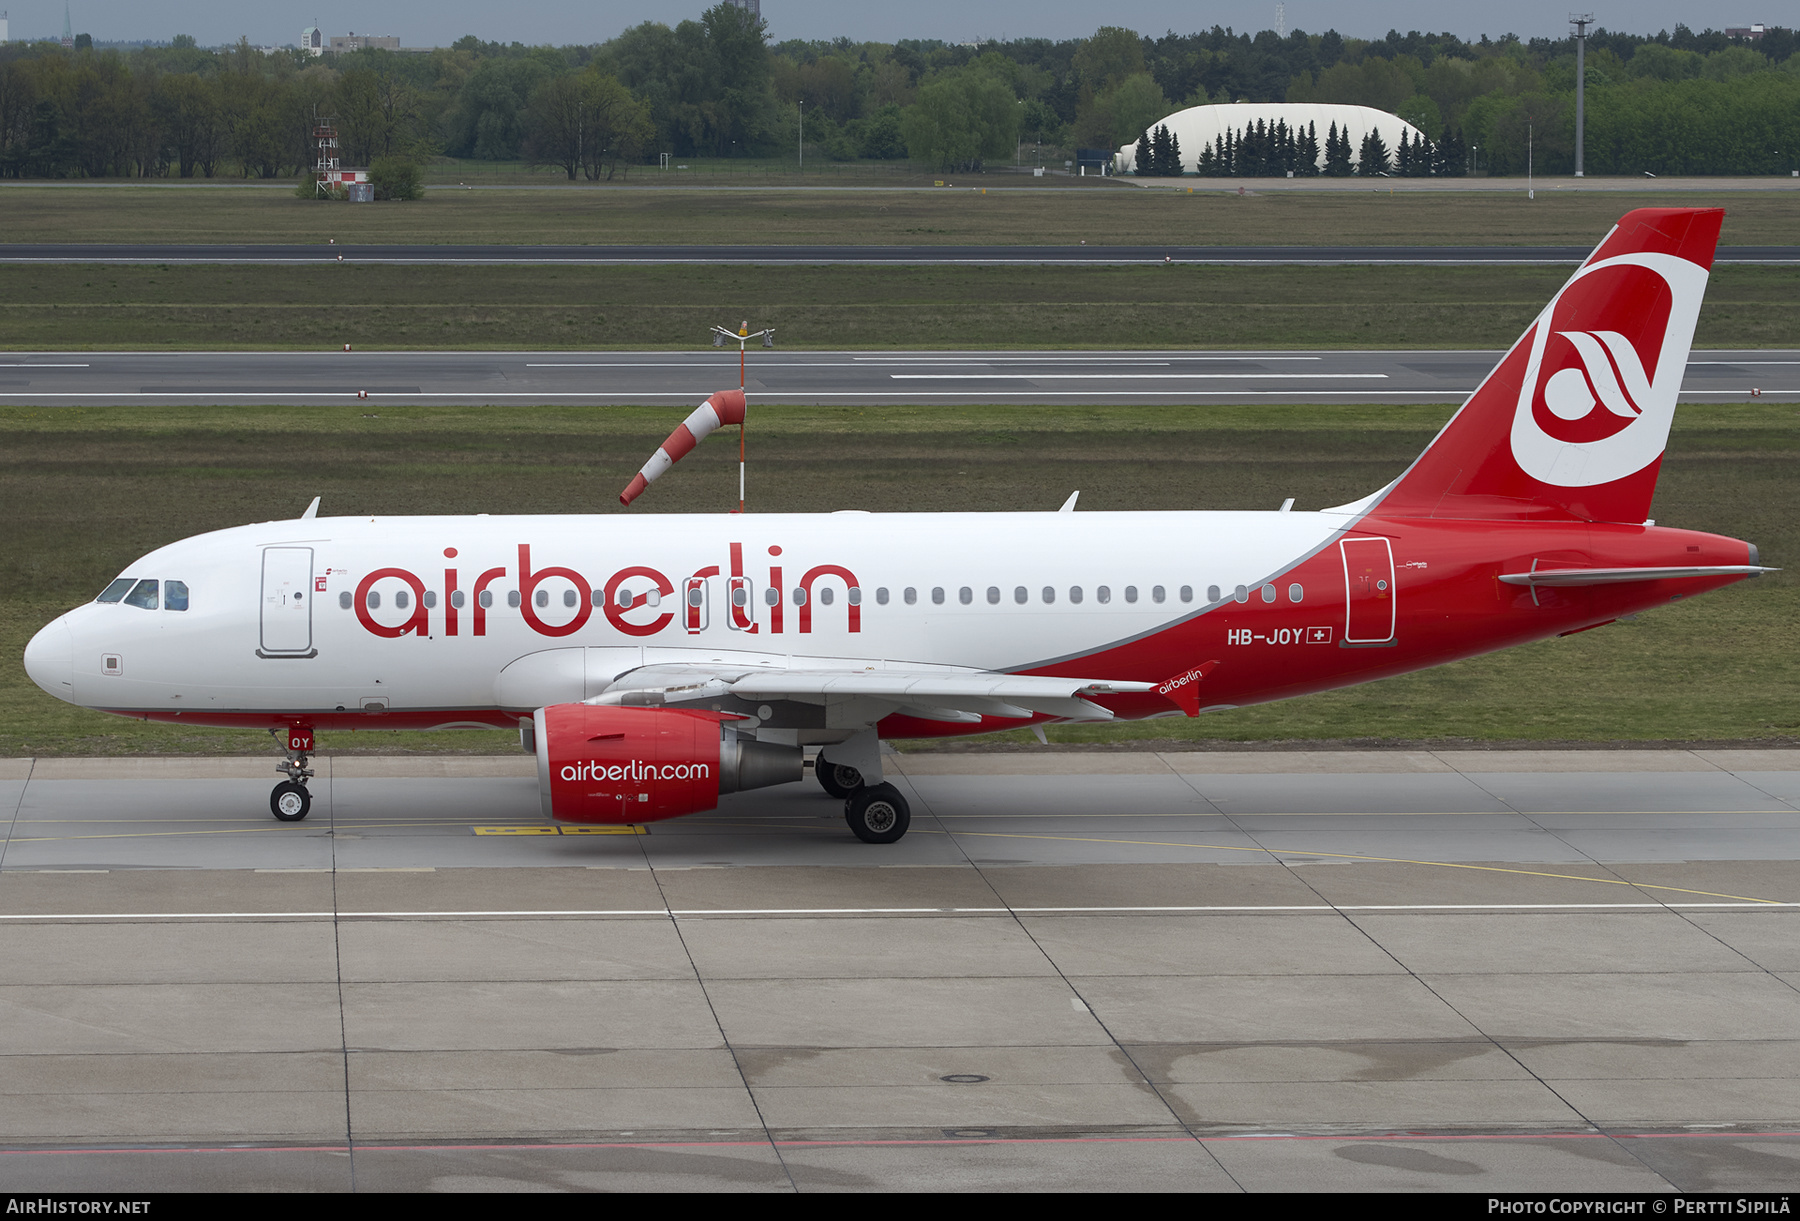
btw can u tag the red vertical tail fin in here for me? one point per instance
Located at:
(1572, 423)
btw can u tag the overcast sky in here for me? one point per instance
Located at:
(567, 21)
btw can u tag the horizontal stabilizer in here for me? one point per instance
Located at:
(1621, 576)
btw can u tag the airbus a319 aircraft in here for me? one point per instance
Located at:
(653, 663)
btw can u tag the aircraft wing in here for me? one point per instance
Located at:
(932, 694)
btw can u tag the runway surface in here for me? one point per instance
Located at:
(1476, 971)
(51, 379)
(771, 255)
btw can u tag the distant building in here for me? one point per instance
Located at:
(312, 41)
(1746, 31)
(755, 6)
(1200, 127)
(358, 42)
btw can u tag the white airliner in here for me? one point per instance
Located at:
(652, 663)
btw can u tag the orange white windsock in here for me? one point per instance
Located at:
(725, 407)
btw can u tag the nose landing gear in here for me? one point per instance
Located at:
(290, 801)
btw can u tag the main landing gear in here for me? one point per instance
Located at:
(877, 813)
(290, 801)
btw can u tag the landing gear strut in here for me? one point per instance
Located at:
(289, 801)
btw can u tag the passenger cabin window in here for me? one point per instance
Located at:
(1187, 593)
(771, 596)
(1021, 595)
(937, 595)
(1049, 594)
(373, 600)
(512, 598)
(486, 598)
(826, 594)
(542, 598)
(1157, 593)
(457, 599)
(175, 595)
(1075, 593)
(1131, 593)
(855, 595)
(911, 595)
(344, 600)
(1103, 594)
(965, 595)
(402, 599)
(430, 599)
(1212, 593)
(1296, 593)
(1268, 593)
(115, 591)
(881, 595)
(143, 595)
(993, 595)
(1241, 594)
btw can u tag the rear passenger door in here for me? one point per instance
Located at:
(1369, 591)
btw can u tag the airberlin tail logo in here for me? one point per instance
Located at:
(1611, 376)
(1607, 358)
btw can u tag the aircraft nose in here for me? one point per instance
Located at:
(50, 660)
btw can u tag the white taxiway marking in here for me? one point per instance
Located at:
(1120, 377)
(700, 913)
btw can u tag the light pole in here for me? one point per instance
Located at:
(1581, 22)
(743, 337)
(803, 135)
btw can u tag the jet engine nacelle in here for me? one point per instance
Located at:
(604, 764)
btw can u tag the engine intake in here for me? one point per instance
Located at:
(607, 764)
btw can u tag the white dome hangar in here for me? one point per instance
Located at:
(1199, 127)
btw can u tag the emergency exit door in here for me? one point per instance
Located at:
(287, 596)
(1369, 614)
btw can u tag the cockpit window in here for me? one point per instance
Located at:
(175, 595)
(143, 594)
(115, 591)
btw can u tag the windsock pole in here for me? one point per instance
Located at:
(743, 337)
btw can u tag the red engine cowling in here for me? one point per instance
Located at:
(605, 764)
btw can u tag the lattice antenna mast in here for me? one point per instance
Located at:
(1281, 21)
(325, 136)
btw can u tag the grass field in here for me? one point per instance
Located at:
(1102, 214)
(213, 308)
(84, 491)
